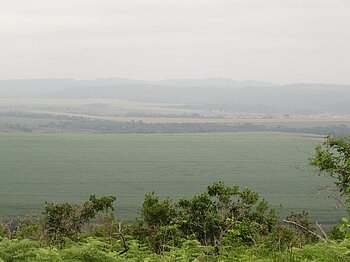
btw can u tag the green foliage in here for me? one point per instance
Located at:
(5, 230)
(154, 225)
(156, 213)
(282, 238)
(167, 237)
(222, 214)
(345, 227)
(224, 223)
(27, 251)
(198, 217)
(333, 158)
(66, 220)
(324, 252)
(94, 250)
(91, 250)
(226, 212)
(336, 232)
(30, 227)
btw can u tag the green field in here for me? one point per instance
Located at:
(39, 167)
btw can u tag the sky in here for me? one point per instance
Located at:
(280, 41)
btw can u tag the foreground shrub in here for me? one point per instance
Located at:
(333, 158)
(30, 227)
(154, 226)
(5, 229)
(221, 215)
(27, 251)
(226, 213)
(66, 220)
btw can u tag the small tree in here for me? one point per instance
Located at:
(155, 224)
(333, 158)
(66, 220)
(226, 212)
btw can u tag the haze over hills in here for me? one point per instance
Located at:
(212, 82)
(39, 87)
(216, 93)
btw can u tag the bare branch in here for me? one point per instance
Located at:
(121, 234)
(304, 228)
(321, 229)
(338, 200)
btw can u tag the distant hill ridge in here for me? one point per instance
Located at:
(211, 91)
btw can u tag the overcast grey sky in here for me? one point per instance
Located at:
(269, 40)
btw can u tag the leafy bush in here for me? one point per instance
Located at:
(30, 227)
(154, 226)
(333, 158)
(5, 230)
(226, 213)
(66, 220)
(222, 214)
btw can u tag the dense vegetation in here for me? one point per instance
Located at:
(225, 222)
